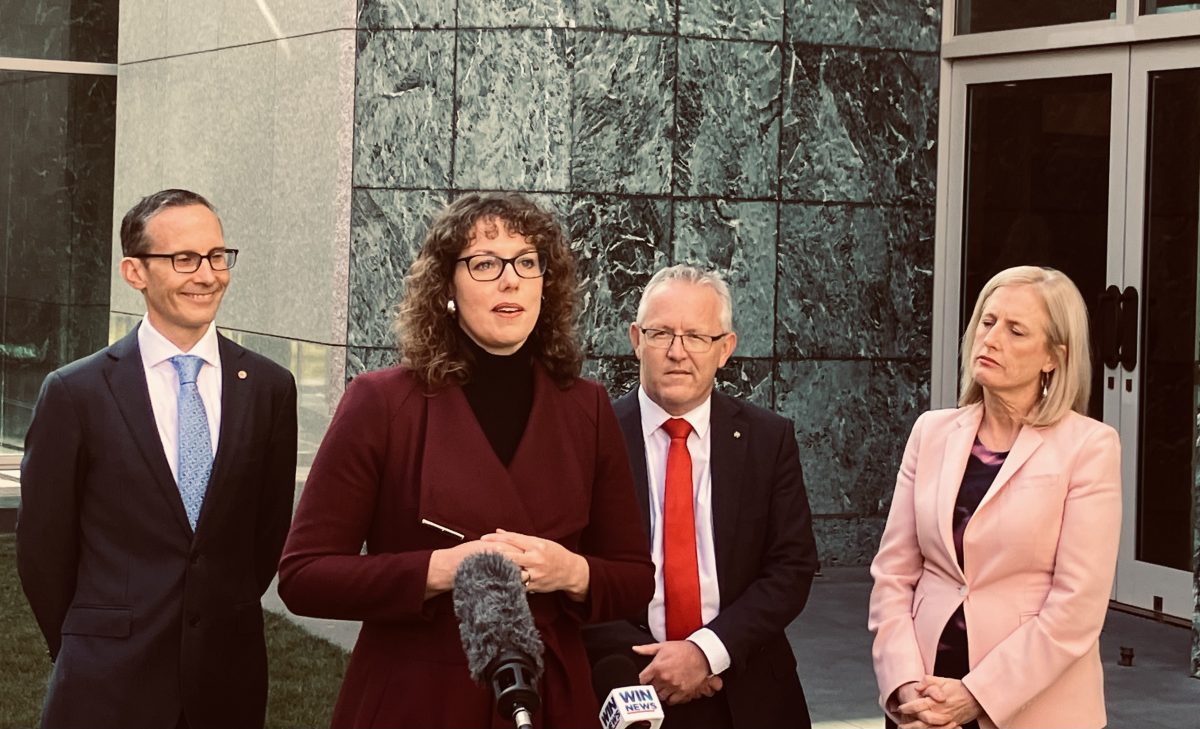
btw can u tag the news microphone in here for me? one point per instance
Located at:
(629, 705)
(501, 643)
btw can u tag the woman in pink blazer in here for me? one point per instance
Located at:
(994, 572)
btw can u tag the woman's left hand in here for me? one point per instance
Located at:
(944, 702)
(546, 565)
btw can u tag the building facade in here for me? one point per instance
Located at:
(857, 170)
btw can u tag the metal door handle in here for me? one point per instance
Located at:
(1129, 328)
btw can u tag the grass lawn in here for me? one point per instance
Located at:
(305, 671)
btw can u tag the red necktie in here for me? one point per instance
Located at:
(681, 573)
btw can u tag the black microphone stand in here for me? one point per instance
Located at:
(512, 684)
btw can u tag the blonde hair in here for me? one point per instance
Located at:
(1070, 381)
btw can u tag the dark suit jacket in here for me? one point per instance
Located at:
(766, 556)
(395, 455)
(146, 620)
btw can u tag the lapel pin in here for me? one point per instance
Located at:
(242, 374)
(737, 434)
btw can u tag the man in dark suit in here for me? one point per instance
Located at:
(723, 499)
(156, 492)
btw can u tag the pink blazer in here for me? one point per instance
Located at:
(1040, 553)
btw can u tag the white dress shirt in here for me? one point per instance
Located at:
(699, 444)
(163, 383)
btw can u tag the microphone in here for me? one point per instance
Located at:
(629, 705)
(501, 643)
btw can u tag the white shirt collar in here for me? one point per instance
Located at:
(157, 349)
(653, 416)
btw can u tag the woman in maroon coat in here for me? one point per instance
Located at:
(484, 439)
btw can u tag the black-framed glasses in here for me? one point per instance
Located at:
(486, 267)
(221, 259)
(696, 343)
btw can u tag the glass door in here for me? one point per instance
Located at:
(1160, 371)
(1089, 161)
(1036, 177)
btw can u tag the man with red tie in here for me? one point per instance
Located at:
(723, 500)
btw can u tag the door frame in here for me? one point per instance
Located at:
(1128, 66)
(951, 170)
(1138, 583)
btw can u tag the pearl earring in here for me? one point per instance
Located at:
(451, 308)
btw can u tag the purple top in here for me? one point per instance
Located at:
(982, 467)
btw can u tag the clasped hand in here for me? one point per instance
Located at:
(936, 703)
(546, 565)
(678, 671)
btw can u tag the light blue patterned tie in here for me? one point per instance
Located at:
(195, 444)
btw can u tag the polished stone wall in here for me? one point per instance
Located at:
(251, 105)
(788, 143)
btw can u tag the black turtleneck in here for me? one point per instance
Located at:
(500, 393)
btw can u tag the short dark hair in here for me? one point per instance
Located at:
(428, 336)
(133, 225)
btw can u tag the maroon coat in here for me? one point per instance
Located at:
(395, 455)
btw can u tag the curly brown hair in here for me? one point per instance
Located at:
(429, 336)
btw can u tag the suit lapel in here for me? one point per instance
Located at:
(464, 486)
(1027, 442)
(127, 381)
(235, 408)
(629, 415)
(954, 465)
(728, 436)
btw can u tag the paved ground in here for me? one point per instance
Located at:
(833, 649)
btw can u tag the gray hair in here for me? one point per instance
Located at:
(692, 275)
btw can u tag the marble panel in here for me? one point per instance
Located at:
(619, 243)
(244, 22)
(623, 102)
(733, 19)
(646, 15)
(192, 91)
(847, 542)
(59, 30)
(404, 99)
(896, 24)
(750, 379)
(141, 33)
(192, 26)
(516, 13)
(388, 227)
(1195, 657)
(852, 420)
(406, 14)
(514, 111)
(311, 173)
(89, 186)
(619, 375)
(366, 359)
(57, 196)
(318, 370)
(246, 77)
(739, 241)
(36, 232)
(727, 119)
(859, 125)
(139, 160)
(855, 282)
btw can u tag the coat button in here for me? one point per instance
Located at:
(195, 559)
(194, 620)
(964, 590)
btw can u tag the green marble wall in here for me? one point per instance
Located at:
(789, 143)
